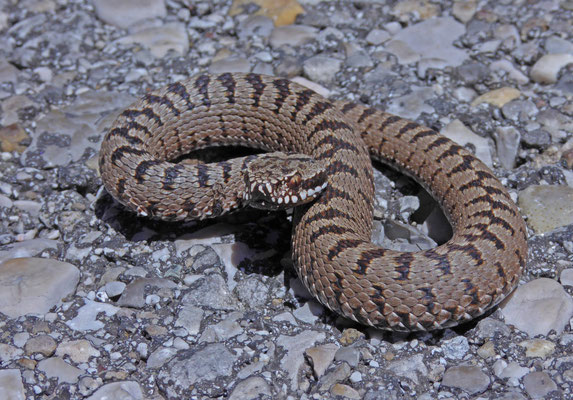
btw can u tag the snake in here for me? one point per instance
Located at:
(316, 155)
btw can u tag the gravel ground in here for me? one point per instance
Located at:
(97, 303)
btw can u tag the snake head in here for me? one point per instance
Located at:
(278, 180)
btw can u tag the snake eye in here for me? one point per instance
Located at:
(294, 181)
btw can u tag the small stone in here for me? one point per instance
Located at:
(56, 367)
(281, 12)
(538, 348)
(497, 97)
(470, 379)
(464, 10)
(349, 336)
(338, 374)
(251, 388)
(43, 344)
(507, 140)
(79, 351)
(12, 138)
(115, 288)
(124, 13)
(538, 384)
(566, 277)
(321, 68)
(295, 347)
(377, 37)
(42, 283)
(126, 390)
(321, 357)
(292, 35)
(230, 64)
(547, 207)
(456, 348)
(538, 307)
(345, 391)
(351, 355)
(411, 368)
(11, 385)
(546, 69)
(160, 40)
(487, 350)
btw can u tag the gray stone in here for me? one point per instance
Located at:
(536, 138)
(160, 356)
(538, 384)
(433, 38)
(190, 317)
(292, 35)
(190, 367)
(211, 291)
(351, 355)
(251, 388)
(35, 285)
(11, 386)
(28, 248)
(124, 13)
(566, 277)
(125, 390)
(87, 317)
(538, 307)
(507, 140)
(411, 368)
(377, 36)
(321, 357)
(230, 64)
(295, 347)
(547, 207)
(470, 379)
(321, 68)
(135, 292)
(338, 374)
(547, 68)
(56, 367)
(456, 348)
(489, 327)
(162, 39)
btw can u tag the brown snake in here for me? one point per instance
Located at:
(331, 246)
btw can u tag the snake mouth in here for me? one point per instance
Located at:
(263, 197)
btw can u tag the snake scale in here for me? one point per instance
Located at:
(331, 247)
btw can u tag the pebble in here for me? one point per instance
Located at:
(125, 13)
(295, 347)
(281, 12)
(351, 355)
(538, 384)
(547, 207)
(251, 388)
(456, 348)
(566, 277)
(87, 316)
(79, 351)
(321, 68)
(497, 97)
(538, 348)
(434, 38)
(507, 139)
(468, 378)
(547, 68)
(377, 36)
(338, 389)
(411, 368)
(56, 367)
(42, 344)
(125, 390)
(538, 307)
(160, 40)
(321, 357)
(42, 284)
(11, 385)
(292, 35)
(12, 137)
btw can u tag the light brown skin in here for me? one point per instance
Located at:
(332, 252)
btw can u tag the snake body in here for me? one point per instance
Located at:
(331, 247)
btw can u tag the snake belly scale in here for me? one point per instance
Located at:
(331, 247)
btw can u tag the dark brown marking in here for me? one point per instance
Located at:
(407, 128)
(422, 134)
(440, 140)
(124, 133)
(180, 90)
(141, 169)
(202, 86)
(453, 150)
(470, 250)
(328, 125)
(123, 150)
(258, 86)
(121, 186)
(342, 245)
(328, 229)
(348, 107)
(283, 91)
(147, 111)
(202, 174)
(464, 166)
(403, 262)
(170, 174)
(317, 109)
(162, 100)
(302, 100)
(366, 258)
(388, 121)
(365, 114)
(229, 83)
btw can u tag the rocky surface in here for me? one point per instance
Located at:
(97, 303)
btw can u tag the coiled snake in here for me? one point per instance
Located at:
(331, 246)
